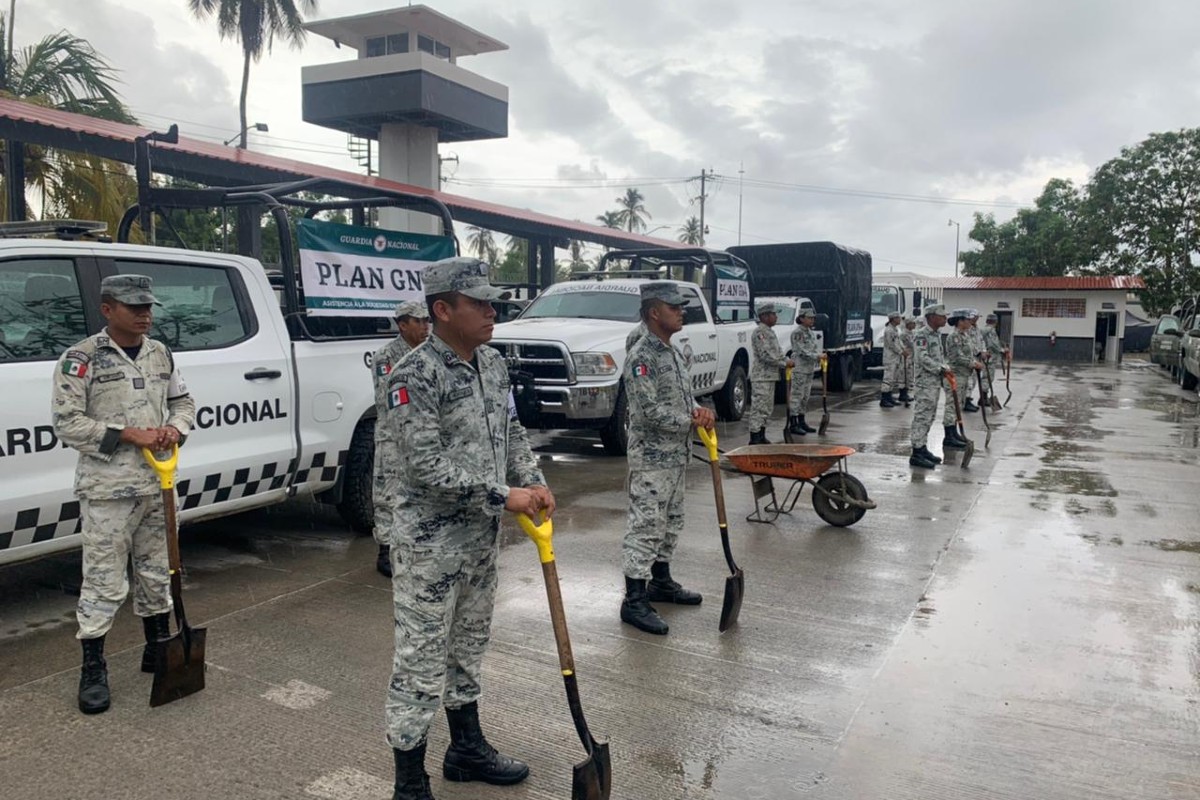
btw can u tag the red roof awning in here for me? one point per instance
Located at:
(1064, 283)
(217, 165)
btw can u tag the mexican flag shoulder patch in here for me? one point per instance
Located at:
(383, 368)
(74, 368)
(641, 370)
(398, 396)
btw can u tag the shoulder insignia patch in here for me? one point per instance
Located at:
(397, 397)
(382, 368)
(74, 367)
(641, 370)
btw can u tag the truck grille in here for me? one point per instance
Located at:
(547, 363)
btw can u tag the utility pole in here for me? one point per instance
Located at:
(741, 171)
(703, 178)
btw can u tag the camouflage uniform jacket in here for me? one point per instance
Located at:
(97, 392)
(992, 343)
(804, 344)
(659, 394)
(634, 336)
(906, 341)
(977, 340)
(463, 446)
(383, 361)
(929, 362)
(893, 341)
(960, 351)
(768, 355)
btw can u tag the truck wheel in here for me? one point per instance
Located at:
(841, 373)
(615, 433)
(731, 400)
(357, 507)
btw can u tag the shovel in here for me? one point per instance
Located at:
(592, 779)
(824, 395)
(179, 659)
(995, 401)
(970, 451)
(984, 404)
(787, 428)
(735, 582)
(904, 372)
(1007, 375)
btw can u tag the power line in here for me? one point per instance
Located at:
(878, 195)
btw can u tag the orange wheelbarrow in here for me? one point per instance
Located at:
(838, 497)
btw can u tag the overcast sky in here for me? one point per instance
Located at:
(976, 102)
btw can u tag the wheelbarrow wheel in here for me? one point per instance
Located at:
(829, 504)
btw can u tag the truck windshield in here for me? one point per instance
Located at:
(884, 300)
(587, 305)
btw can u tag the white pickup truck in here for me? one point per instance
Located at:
(569, 344)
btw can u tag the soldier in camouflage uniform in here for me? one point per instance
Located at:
(465, 460)
(960, 355)
(114, 394)
(993, 349)
(806, 352)
(662, 413)
(975, 336)
(906, 339)
(929, 367)
(893, 352)
(412, 321)
(764, 371)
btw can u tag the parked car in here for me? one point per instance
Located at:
(1189, 356)
(508, 310)
(1165, 342)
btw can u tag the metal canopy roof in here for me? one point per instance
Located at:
(1065, 283)
(216, 165)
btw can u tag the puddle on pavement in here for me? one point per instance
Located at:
(1069, 481)
(1056, 450)
(1097, 539)
(1174, 545)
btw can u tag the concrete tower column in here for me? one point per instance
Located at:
(409, 154)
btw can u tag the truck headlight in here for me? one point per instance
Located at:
(594, 364)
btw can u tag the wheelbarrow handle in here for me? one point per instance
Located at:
(709, 437)
(164, 468)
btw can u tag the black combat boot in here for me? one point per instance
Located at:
(951, 441)
(918, 459)
(929, 455)
(886, 401)
(637, 611)
(156, 627)
(383, 561)
(962, 439)
(759, 436)
(471, 758)
(969, 405)
(904, 396)
(664, 589)
(93, 677)
(806, 426)
(795, 425)
(412, 782)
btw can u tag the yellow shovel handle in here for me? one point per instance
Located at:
(709, 437)
(164, 468)
(541, 535)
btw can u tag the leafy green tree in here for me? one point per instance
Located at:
(632, 211)
(514, 267)
(610, 219)
(255, 24)
(482, 243)
(64, 72)
(1146, 201)
(689, 232)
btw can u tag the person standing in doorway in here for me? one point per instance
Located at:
(114, 394)
(806, 352)
(466, 459)
(764, 371)
(412, 322)
(662, 413)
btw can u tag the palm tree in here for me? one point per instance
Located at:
(633, 211)
(610, 219)
(689, 232)
(65, 72)
(482, 243)
(255, 23)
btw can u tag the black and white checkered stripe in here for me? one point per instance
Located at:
(51, 523)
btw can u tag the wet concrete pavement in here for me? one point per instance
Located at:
(1025, 628)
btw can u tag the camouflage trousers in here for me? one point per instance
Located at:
(925, 400)
(908, 374)
(802, 382)
(655, 519)
(891, 372)
(116, 533)
(960, 375)
(443, 605)
(379, 501)
(762, 403)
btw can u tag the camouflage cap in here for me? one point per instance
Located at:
(895, 315)
(973, 313)
(807, 313)
(412, 308)
(767, 308)
(666, 292)
(991, 318)
(132, 290)
(467, 276)
(960, 313)
(934, 308)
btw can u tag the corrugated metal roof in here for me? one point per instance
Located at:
(1067, 283)
(212, 163)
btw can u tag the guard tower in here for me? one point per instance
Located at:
(407, 91)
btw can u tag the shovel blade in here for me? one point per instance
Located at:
(735, 585)
(824, 424)
(592, 778)
(995, 401)
(968, 453)
(179, 670)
